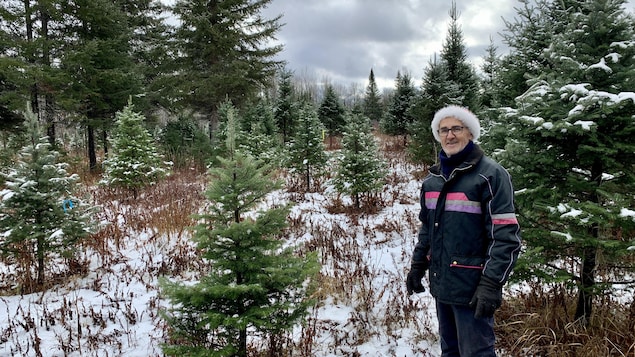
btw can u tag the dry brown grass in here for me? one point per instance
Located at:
(539, 323)
(535, 323)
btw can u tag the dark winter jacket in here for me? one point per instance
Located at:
(468, 227)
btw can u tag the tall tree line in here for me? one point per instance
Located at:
(77, 62)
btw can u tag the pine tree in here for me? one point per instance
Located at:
(398, 117)
(454, 57)
(571, 151)
(40, 216)
(360, 172)
(331, 113)
(372, 106)
(256, 285)
(134, 161)
(307, 154)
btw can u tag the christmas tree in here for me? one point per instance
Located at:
(40, 218)
(256, 285)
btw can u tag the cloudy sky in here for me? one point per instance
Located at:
(341, 40)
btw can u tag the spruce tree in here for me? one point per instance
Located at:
(224, 52)
(134, 161)
(100, 70)
(454, 57)
(307, 154)
(184, 143)
(398, 115)
(372, 106)
(527, 36)
(256, 285)
(437, 91)
(571, 151)
(285, 110)
(331, 113)
(360, 173)
(260, 136)
(40, 216)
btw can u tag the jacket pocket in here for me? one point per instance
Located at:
(467, 262)
(464, 275)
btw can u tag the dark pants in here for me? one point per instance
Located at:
(462, 335)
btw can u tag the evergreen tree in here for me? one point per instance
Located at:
(436, 92)
(222, 53)
(307, 155)
(29, 39)
(454, 57)
(40, 218)
(256, 285)
(360, 172)
(331, 113)
(527, 36)
(493, 125)
(490, 69)
(285, 111)
(372, 106)
(98, 63)
(259, 139)
(571, 150)
(398, 117)
(184, 143)
(134, 161)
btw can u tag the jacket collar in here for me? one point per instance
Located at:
(470, 161)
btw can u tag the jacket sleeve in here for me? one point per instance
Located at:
(502, 227)
(422, 246)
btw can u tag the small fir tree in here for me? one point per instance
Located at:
(454, 58)
(185, 143)
(134, 161)
(40, 218)
(372, 106)
(260, 137)
(360, 172)
(256, 285)
(398, 117)
(285, 110)
(331, 113)
(307, 155)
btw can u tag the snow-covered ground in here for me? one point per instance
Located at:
(363, 308)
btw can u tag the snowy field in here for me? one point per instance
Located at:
(113, 309)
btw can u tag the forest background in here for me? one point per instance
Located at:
(557, 111)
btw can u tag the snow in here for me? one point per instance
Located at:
(602, 66)
(113, 310)
(585, 124)
(625, 212)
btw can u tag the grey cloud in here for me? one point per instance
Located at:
(344, 39)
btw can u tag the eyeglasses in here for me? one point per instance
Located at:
(455, 130)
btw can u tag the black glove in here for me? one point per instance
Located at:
(487, 298)
(413, 282)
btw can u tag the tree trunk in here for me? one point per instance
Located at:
(585, 294)
(242, 343)
(40, 262)
(587, 282)
(92, 156)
